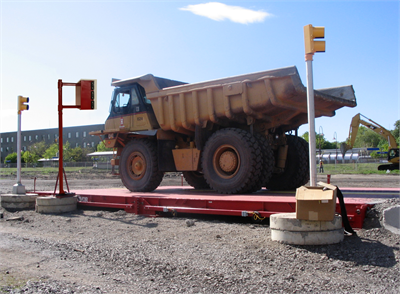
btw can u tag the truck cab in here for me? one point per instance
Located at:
(130, 110)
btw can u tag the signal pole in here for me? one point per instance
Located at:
(311, 46)
(18, 188)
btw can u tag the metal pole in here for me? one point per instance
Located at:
(335, 138)
(311, 119)
(19, 149)
(60, 138)
(18, 188)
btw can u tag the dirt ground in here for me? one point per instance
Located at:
(105, 251)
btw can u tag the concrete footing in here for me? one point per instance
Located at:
(287, 229)
(18, 201)
(53, 204)
(391, 219)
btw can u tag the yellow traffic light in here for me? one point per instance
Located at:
(311, 33)
(22, 103)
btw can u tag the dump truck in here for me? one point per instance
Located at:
(393, 150)
(233, 135)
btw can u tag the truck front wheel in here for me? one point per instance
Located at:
(139, 166)
(232, 161)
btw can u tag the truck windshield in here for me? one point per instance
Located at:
(121, 101)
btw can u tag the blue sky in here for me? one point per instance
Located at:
(43, 41)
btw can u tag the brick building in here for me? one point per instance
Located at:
(76, 136)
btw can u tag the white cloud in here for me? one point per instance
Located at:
(219, 11)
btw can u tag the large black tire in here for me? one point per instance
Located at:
(139, 166)
(296, 171)
(196, 179)
(268, 162)
(232, 161)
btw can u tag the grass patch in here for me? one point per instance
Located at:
(354, 168)
(9, 282)
(44, 170)
(340, 168)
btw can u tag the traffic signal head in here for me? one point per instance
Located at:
(22, 103)
(86, 94)
(311, 33)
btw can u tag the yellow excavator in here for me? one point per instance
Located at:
(393, 152)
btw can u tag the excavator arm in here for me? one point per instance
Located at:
(393, 154)
(370, 124)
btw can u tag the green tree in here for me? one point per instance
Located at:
(66, 152)
(101, 147)
(51, 152)
(38, 149)
(305, 136)
(30, 157)
(396, 131)
(11, 158)
(320, 141)
(366, 138)
(75, 154)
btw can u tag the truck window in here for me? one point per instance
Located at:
(142, 92)
(135, 99)
(121, 102)
(122, 99)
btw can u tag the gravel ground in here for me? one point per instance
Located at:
(100, 251)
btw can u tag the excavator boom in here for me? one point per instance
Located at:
(377, 128)
(370, 124)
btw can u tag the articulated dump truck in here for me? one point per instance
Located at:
(232, 135)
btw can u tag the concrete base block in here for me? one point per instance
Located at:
(19, 189)
(18, 201)
(56, 205)
(391, 219)
(287, 229)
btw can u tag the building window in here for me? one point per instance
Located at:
(1, 140)
(84, 134)
(77, 134)
(76, 144)
(1, 149)
(69, 135)
(12, 139)
(37, 137)
(8, 140)
(30, 138)
(24, 138)
(93, 144)
(43, 137)
(24, 148)
(48, 136)
(7, 149)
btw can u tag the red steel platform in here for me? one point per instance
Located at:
(177, 199)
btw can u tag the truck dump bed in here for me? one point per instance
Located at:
(276, 98)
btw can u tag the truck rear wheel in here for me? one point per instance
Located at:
(139, 166)
(296, 171)
(268, 162)
(232, 161)
(196, 179)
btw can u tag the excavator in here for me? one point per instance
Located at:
(393, 152)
